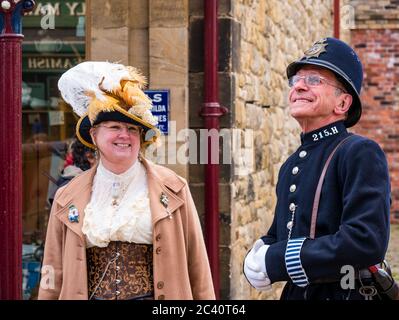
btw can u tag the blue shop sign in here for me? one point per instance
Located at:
(160, 109)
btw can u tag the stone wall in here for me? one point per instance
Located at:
(118, 31)
(273, 34)
(151, 35)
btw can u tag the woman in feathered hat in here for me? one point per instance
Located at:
(127, 228)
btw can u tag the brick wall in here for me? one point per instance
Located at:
(375, 37)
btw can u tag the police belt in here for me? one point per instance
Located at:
(361, 275)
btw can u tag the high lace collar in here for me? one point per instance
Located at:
(105, 175)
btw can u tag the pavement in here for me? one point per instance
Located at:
(392, 255)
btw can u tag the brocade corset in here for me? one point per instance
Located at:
(120, 271)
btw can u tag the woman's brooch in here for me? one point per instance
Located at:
(165, 202)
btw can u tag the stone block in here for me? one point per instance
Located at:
(240, 116)
(225, 7)
(168, 57)
(138, 14)
(224, 272)
(110, 45)
(254, 116)
(229, 40)
(179, 109)
(197, 174)
(109, 14)
(224, 197)
(224, 229)
(226, 98)
(197, 190)
(168, 14)
(242, 213)
(180, 169)
(139, 50)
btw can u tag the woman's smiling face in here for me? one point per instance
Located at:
(118, 144)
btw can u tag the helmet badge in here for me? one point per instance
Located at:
(317, 48)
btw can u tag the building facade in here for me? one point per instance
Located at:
(165, 40)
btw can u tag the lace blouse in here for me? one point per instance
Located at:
(119, 208)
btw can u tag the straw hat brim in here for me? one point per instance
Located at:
(84, 125)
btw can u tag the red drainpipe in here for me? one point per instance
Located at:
(336, 19)
(212, 111)
(10, 147)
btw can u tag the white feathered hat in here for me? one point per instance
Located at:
(104, 91)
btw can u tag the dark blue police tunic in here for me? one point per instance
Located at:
(353, 217)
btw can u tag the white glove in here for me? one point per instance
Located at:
(255, 266)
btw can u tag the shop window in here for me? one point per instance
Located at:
(47, 121)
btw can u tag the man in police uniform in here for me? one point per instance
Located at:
(352, 226)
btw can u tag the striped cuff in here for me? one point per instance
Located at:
(293, 262)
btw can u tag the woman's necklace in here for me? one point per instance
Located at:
(118, 192)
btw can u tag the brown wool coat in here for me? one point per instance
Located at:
(181, 267)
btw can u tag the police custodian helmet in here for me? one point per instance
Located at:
(337, 56)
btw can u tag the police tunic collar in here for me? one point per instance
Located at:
(322, 134)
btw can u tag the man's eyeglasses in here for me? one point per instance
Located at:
(118, 128)
(312, 80)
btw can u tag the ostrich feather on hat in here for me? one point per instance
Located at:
(92, 87)
(100, 91)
